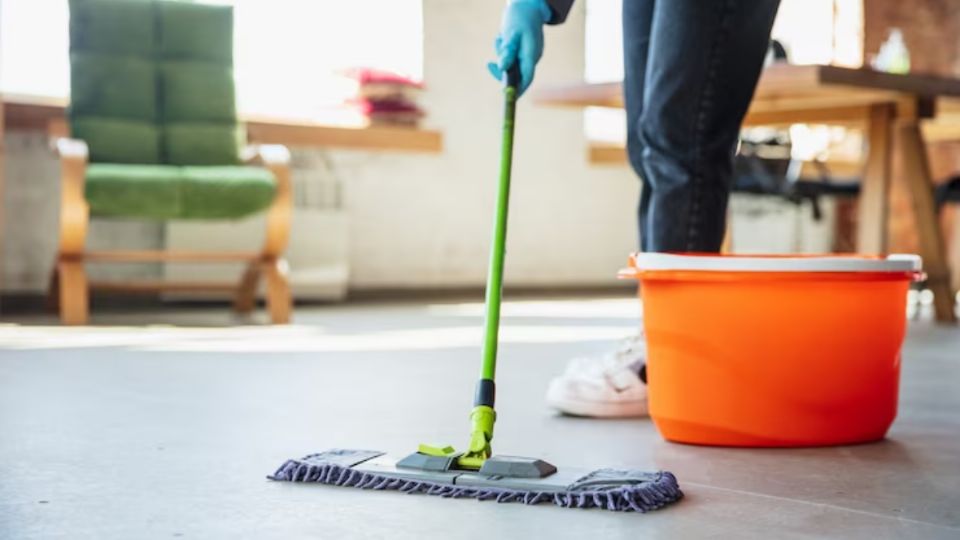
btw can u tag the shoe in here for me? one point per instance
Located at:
(609, 386)
(631, 350)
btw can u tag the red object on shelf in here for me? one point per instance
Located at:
(385, 98)
(374, 106)
(366, 76)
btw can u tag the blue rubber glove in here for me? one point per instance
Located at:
(521, 39)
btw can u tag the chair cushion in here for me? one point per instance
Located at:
(153, 96)
(198, 96)
(189, 143)
(198, 92)
(113, 80)
(200, 114)
(113, 86)
(171, 192)
(115, 140)
(116, 27)
(196, 32)
(162, 62)
(225, 192)
(147, 191)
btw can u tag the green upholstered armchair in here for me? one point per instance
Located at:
(153, 134)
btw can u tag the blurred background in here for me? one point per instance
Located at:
(235, 232)
(393, 200)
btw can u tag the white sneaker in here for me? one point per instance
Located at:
(631, 350)
(608, 386)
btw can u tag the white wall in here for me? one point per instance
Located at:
(426, 220)
(419, 220)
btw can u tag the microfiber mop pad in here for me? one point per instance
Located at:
(607, 489)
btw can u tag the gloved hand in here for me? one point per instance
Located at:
(521, 39)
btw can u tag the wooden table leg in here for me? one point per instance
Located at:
(726, 247)
(53, 290)
(953, 252)
(874, 200)
(246, 297)
(916, 170)
(73, 291)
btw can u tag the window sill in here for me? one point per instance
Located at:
(31, 113)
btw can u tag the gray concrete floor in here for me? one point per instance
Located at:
(126, 431)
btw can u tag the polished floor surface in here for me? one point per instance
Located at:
(166, 431)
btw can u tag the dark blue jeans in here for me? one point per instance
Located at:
(690, 70)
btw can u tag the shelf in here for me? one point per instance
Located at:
(31, 113)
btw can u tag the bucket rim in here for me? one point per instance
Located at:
(893, 263)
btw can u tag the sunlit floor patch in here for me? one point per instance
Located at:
(247, 339)
(322, 336)
(402, 340)
(13, 336)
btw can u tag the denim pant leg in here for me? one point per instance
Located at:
(637, 18)
(702, 64)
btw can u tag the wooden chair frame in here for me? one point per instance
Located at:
(70, 289)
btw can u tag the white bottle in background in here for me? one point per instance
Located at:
(894, 57)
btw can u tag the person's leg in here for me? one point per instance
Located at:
(704, 62)
(684, 117)
(607, 385)
(637, 19)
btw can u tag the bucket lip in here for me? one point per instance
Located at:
(898, 263)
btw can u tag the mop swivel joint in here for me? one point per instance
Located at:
(482, 418)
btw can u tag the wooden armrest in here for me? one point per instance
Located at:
(58, 128)
(72, 149)
(74, 212)
(266, 155)
(276, 158)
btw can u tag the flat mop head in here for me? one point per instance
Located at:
(608, 489)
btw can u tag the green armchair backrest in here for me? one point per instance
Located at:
(152, 82)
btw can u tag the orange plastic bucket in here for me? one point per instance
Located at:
(773, 350)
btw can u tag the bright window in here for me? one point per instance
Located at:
(33, 47)
(288, 53)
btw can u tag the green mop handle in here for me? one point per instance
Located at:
(498, 247)
(483, 415)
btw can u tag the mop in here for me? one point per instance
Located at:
(476, 472)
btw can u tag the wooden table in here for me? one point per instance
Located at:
(35, 113)
(889, 107)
